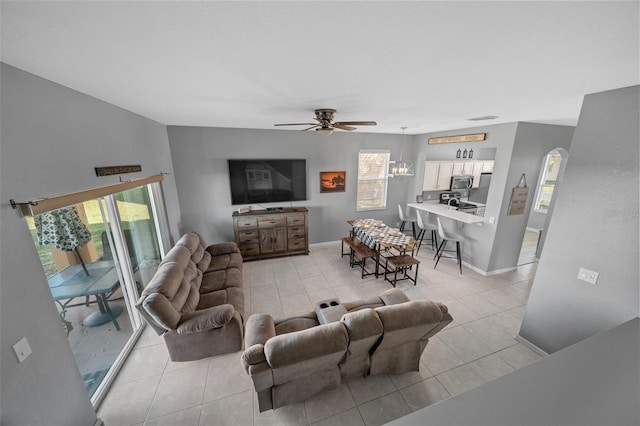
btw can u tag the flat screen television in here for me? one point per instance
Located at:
(267, 181)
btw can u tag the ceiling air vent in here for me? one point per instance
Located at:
(484, 117)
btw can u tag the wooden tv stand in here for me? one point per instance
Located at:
(261, 234)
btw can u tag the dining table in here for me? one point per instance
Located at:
(379, 237)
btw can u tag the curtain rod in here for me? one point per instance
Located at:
(43, 205)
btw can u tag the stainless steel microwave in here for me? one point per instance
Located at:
(461, 182)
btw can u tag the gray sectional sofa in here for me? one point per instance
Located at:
(195, 299)
(293, 358)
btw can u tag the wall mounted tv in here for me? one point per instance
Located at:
(268, 181)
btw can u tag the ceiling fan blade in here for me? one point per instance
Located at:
(296, 124)
(358, 123)
(343, 126)
(312, 127)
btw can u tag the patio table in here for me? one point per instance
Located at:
(101, 282)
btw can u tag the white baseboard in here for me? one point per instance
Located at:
(325, 243)
(488, 273)
(531, 346)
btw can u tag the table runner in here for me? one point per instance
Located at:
(372, 232)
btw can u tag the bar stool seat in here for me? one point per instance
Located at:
(404, 219)
(401, 263)
(449, 236)
(424, 225)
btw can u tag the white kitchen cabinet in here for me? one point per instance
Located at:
(463, 168)
(437, 174)
(487, 166)
(430, 182)
(480, 167)
(444, 175)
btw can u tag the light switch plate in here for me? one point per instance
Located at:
(22, 349)
(588, 276)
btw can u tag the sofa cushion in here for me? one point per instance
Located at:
(294, 353)
(225, 261)
(213, 298)
(296, 323)
(190, 240)
(205, 260)
(235, 296)
(364, 328)
(178, 254)
(217, 280)
(166, 280)
(223, 248)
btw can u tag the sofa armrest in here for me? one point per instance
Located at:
(205, 319)
(223, 248)
(394, 296)
(259, 329)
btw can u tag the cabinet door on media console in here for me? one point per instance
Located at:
(273, 233)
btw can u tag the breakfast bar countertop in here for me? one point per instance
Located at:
(444, 211)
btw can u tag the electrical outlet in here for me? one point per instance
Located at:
(492, 219)
(22, 349)
(428, 196)
(588, 276)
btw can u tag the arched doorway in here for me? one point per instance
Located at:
(549, 179)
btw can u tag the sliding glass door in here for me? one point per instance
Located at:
(98, 255)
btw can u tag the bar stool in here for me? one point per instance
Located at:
(424, 226)
(449, 236)
(404, 219)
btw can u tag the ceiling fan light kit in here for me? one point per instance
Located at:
(325, 124)
(325, 131)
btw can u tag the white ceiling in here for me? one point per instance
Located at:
(425, 65)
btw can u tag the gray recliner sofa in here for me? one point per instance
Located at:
(195, 299)
(293, 358)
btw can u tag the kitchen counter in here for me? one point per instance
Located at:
(443, 210)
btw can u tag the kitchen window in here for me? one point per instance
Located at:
(372, 180)
(547, 182)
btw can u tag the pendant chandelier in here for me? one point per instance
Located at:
(401, 168)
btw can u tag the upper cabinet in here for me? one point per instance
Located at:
(437, 174)
(431, 169)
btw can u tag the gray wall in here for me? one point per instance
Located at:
(594, 225)
(200, 163)
(532, 143)
(52, 138)
(516, 148)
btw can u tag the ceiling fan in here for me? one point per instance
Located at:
(325, 124)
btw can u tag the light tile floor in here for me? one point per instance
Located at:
(477, 347)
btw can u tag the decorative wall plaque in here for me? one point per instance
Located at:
(518, 199)
(476, 137)
(117, 170)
